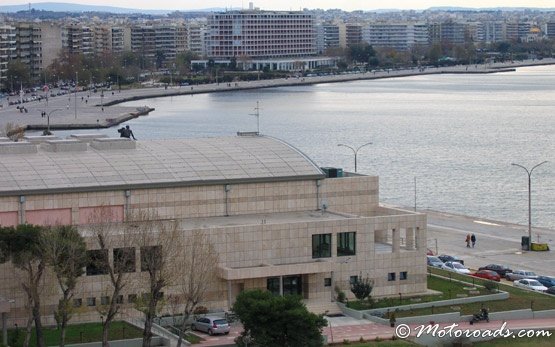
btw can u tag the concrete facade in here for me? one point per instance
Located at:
(283, 229)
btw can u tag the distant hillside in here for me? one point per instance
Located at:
(68, 7)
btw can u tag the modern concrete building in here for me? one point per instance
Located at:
(399, 36)
(29, 47)
(7, 50)
(327, 36)
(448, 32)
(78, 39)
(277, 220)
(51, 36)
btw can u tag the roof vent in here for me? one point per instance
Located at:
(113, 143)
(17, 147)
(64, 146)
(87, 137)
(40, 139)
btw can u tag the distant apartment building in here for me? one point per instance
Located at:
(29, 48)
(353, 34)
(493, 32)
(448, 32)
(7, 50)
(550, 30)
(78, 39)
(399, 36)
(196, 38)
(159, 42)
(514, 31)
(327, 36)
(51, 35)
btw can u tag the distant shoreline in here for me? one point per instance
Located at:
(107, 111)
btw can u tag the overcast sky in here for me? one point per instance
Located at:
(348, 5)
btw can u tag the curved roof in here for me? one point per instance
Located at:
(159, 163)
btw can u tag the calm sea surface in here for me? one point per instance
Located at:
(456, 134)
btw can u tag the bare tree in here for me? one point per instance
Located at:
(198, 266)
(65, 252)
(13, 131)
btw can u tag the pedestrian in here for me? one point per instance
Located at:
(126, 132)
(468, 240)
(121, 132)
(473, 239)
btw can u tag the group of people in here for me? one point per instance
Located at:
(126, 132)
(470, 238)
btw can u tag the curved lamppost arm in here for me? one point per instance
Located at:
(529, 173)
(355, 151)
(47, 115)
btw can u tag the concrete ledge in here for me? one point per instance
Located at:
(113, 143)
(65, 146)
(156, 341)
(17, 147)
(40, 139)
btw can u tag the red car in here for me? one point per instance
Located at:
(487, 274)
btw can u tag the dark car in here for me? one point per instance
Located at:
(546, 281)
(445, 258)
(487, 274)
(551, 290)
(502, 270)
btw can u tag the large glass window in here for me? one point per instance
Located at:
(346, 243)
(124, 259)
(97, 263)
(272, 284)
(321, 246)
(151, 257)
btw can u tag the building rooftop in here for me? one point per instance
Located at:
(89, 164)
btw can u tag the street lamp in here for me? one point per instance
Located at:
(47, 115)
(355, 151)
(529, 172)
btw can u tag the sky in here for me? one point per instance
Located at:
(347, 5)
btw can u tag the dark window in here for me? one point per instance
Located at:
(104, 300)
(391, 276)
(97, 262)
(77, 302)
(91, 301)
(321, 246)
(403, 275)
(131, 298)
(272, 284)
(346, 243)
(150, 258)
(124, 259)
(327, 282)
(119, 299)
(353, 279)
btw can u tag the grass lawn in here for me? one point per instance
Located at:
(520, 342)
(89, 332)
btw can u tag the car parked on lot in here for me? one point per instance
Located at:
(487, 274)
(520, 274)
(445, 258)
(455, 266)
(551, 290)
(502, 270)
(528, 283)
(546, 281)
(434, 261)
(211, 325)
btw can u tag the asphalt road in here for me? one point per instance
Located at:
(496, 242)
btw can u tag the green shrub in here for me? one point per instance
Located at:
(490, 286)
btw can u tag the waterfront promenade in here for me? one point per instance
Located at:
(92, 110)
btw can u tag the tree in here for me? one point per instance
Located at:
(361, 53)
(21, 246)
(198, 273)
(65, 252)
(19, 73)
(362, 287)
(275, 321)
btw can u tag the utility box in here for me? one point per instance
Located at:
(525, 243)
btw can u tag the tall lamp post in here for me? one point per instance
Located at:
(355, 151)
(529, 172)
(47, 115)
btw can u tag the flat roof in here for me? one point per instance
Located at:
(155, 163)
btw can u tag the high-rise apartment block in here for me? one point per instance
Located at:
(7, 49)
(327, 36)
(399, 36)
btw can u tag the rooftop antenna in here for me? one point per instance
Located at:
(257, 115)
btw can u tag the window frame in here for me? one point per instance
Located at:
(344, 239)
(318, 240)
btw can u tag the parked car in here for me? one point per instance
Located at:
(211, 325)
(532, 284)
(487, 274)
(434, 261)
(546, 281)
(550, 290)
(455, 266)
(502, 270)
(445, 258)
(520, 274)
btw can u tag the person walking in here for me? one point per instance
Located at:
(468, 240)
(473, 239)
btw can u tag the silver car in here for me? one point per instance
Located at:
(520, 274)
(211, 325)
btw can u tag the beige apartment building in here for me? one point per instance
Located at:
(276, 219)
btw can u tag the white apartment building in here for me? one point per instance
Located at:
(7, 49)
(327, 36)
(399, 36)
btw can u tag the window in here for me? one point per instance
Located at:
(346, 243)
(353, 279)
(150, 258)
(124, 259)
(272, 284)
(327, 282)
(97, 263)
(131, 298)
(119, 299)
(77, 302)
(403, 275)
(321, 246)
(104, 300)
(91, 301)
(391, 276)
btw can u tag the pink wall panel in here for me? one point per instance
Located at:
(88, 215)
(60, 216)
(9, 218)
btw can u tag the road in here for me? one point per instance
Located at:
(496, 242)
